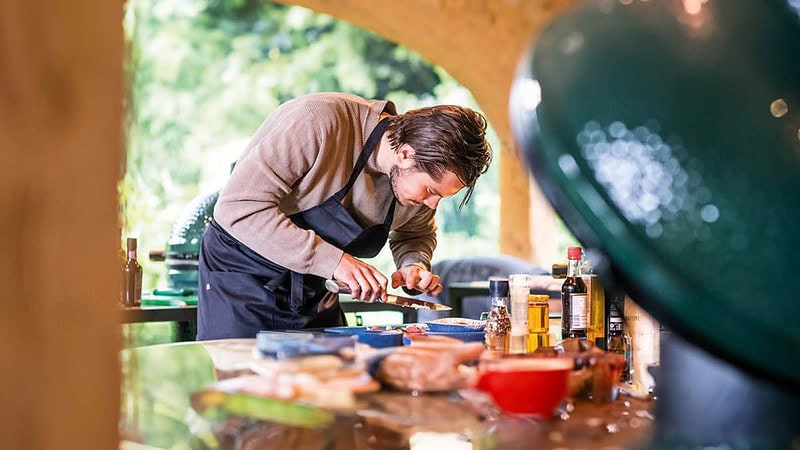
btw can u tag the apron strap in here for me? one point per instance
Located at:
(296, 300)
(295, 280)
(371, 144)
(390, 214)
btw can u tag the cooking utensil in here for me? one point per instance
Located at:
(339, 287)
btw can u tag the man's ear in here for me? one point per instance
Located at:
(405, 157)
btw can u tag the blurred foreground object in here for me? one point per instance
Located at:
(668, 139)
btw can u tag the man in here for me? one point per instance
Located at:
(324, 181)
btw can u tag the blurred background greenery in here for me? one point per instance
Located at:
(205, 73)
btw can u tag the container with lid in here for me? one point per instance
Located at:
(498, 322)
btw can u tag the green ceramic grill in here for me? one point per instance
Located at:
(183, 247)
(667, 136)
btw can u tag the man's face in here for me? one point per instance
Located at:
(413, 187)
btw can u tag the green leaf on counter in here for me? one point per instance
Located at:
(216, 405)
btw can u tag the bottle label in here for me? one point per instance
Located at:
(131, 254)
(615, 324)
(579, 319)
(519, 317)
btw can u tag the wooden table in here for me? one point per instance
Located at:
(139, 314)
(186, 316)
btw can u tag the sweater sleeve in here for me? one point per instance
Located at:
(248, 206)
(415, 240)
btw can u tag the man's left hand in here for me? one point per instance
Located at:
(416, 277)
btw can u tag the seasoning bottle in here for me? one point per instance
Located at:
(597, 307)
(538, 322)
(574, 301)
(131, 293)
(498, 323)
(520, 289)
(644, 334)
(616, 338)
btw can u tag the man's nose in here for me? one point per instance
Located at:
(433, 201)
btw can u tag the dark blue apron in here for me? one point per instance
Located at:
(241, 292)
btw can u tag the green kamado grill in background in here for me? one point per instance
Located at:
(666, 134)
(183, 247)
(182, 254)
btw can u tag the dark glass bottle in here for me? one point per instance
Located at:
(131, 293)
(616, 335)
(616, 343)
(574, 299)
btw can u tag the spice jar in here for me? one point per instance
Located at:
(498, 322)
(538, 322)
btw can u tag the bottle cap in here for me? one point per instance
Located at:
(559, 270)
(498, 287)
(574, 253)
(538, 298)
(131, 244)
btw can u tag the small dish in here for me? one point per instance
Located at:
(455, 324)
(381, 339)
(329, 345)
(464, 336)
(345, 330)
(532, 386)
(280, 344)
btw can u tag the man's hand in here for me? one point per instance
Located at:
(417, 277)
(366, 283)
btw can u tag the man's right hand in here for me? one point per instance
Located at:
(366, 283)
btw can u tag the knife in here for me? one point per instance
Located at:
(340, 287)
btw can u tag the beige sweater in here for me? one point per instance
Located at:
(301, 155)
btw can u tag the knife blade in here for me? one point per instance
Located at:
(339, 287)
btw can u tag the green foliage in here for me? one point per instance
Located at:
(157, 385)
(205, 73)
(150, 333)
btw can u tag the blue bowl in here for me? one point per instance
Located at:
(282, 345)
(466, 336)
(329, 345)
(345, 330)
(381, 339)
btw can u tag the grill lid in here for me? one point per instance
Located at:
(669, 140)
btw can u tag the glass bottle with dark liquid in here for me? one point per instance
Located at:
(616, 337)
(131, 293)
(574, 299)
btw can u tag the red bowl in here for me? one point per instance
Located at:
(532, 386)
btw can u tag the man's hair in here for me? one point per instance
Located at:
(445, 138)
